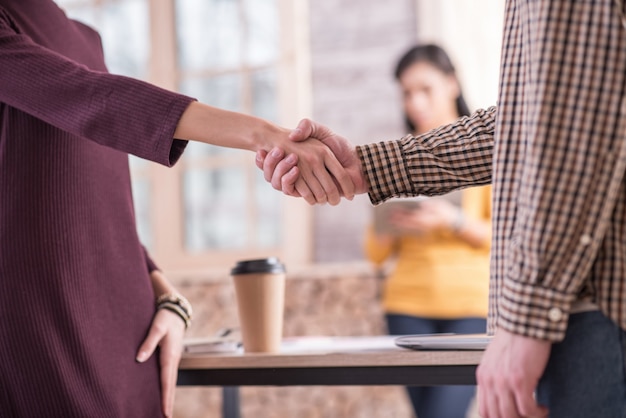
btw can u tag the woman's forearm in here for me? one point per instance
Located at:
(214, 126)
(322, 174)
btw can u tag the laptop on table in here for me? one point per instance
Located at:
(444, 341)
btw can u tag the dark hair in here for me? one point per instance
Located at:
(438, 58)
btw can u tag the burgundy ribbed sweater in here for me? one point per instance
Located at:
(75, 296)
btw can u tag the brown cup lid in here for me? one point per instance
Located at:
(263, 265)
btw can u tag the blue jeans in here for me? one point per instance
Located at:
(437, 401)
(585, 376)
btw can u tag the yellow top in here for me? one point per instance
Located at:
(437, 275)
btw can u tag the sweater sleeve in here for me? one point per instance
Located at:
(150, 264)
(116, 111)
(376, 250)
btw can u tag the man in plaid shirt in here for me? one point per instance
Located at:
(555, 151)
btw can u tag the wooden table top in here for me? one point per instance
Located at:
(332, 352)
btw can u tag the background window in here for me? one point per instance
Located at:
(214, 207)
(234, 67)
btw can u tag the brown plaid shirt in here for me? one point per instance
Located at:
(555, 151)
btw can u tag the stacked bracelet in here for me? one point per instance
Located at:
(176, 303)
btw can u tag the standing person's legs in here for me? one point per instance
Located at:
(405, 325)
(585, 376)
(453, 401)
(437, 401)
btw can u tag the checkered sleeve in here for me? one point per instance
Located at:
(558, 166)
(445, 159)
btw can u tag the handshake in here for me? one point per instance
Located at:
(316, 164)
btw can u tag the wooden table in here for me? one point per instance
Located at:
(328, 361)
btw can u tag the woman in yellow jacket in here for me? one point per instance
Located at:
(440, 247)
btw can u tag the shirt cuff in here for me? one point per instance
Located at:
(534, 311)
(385, 168)
(169, 147)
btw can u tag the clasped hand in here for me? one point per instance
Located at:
(319, 174)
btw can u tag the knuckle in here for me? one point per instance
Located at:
(282, 168)
(158, 329)
(320, 197)
(308, 197)
(287, 188)
(524, 410)
(484, 379)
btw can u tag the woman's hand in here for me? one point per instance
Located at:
(166, 332)
(431, 215)
(322, 178)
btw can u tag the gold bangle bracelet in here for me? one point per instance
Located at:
(177, 310)
(176, 299)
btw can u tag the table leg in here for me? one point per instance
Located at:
(230, 402)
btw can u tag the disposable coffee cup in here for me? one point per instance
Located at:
(260, 292)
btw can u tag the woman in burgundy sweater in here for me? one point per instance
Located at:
(78, 323)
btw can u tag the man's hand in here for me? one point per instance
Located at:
(321, 177)
(508, 375)
(281, 170)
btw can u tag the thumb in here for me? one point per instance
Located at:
(302, 131)
(308, 129)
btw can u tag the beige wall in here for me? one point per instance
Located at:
(471, 32)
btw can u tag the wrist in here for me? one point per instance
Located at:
(362, 185)
(264, 135)
(176, 303)
(160, 284)
(214, 126)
